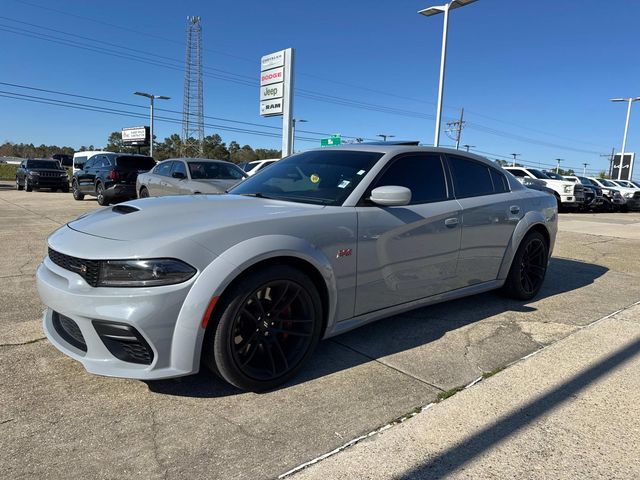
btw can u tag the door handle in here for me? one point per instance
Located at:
(514, 209)
(451, 222)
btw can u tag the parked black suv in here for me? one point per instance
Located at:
(110, 176)
(34, 174)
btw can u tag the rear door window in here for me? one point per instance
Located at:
(500, 184)
(470, 178)
(180, 168)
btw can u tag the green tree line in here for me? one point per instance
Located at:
(171, 147)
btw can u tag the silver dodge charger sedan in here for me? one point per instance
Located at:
(321, 242)
(186, 176)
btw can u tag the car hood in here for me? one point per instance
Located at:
(562, 183)
(183, 216)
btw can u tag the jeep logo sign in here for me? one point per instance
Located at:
(269, 92)
(271, 107)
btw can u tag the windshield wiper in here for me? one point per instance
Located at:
(256, 194)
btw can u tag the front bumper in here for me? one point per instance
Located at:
(152, 312)
(572, 200)
(49, 182)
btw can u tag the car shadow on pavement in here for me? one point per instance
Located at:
(447, 462)
(400, 332)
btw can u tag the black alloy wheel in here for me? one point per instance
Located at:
(77, 194)
(528, 268)
(27, 185)
(144, 193)
(18, 186)
(100, 195)
(268, 327)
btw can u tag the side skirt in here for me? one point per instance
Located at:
(355, 322)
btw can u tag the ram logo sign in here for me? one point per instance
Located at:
(271, 107)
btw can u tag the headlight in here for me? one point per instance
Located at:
(568, 188)
(64, 174)
(628, 194)
(33, 173)
(144, 273)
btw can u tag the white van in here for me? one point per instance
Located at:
(80, 158)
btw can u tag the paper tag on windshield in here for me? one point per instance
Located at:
(344, 184)
(361, 172)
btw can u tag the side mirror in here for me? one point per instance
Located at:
(390, 196)
(178, 175)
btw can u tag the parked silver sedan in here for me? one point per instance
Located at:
(187, 176)
(317, 244)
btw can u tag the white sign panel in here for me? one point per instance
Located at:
(269, 92)
(272, 60)
(272, 107)
(134, 134)
(274, 75)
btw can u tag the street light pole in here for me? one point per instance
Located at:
(151, 98)
(293, 131)
(558, 165)
(468, 146)
(385, 136)
(435, 10)
(513, 164)
(584, 169)
(626, 129)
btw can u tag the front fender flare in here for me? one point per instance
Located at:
(216, 277)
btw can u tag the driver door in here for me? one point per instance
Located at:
(409, 252)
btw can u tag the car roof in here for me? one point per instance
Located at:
(188, 159)
(397, 149)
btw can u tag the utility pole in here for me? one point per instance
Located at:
(611, 157)
(558, 165)
(513, 164)
(584, 170)
(468, 146)
(456, 127)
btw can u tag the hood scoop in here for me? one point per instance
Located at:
(124, 209)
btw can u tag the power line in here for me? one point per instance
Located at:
(155, 36)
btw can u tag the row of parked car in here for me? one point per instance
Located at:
(112, 177)
(582, 193)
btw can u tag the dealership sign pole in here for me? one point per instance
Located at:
(276, 92)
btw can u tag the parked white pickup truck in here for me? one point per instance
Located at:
(569, 194)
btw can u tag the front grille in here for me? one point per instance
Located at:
(577, 189)
(69, 331)
(87, 269)
(49, 174)
(124, 342)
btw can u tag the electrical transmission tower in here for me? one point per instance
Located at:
(192, 109)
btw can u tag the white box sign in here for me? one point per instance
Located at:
(272, 60)
(272, 107)
(134, 134)
(269, 92)
(274, 75)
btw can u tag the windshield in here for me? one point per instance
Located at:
(215, 171)
(585, 181)
(537, 173)
(43, 164)
(554, 175)
(607, 183)
(320, 177)
(623, 183)
(250, 166)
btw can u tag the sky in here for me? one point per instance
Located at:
(534, 78)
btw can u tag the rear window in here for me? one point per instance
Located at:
(135, 163)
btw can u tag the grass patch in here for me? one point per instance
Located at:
(8, 171)
(449, 393)
(492, 372)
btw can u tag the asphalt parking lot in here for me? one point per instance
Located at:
(57, 421)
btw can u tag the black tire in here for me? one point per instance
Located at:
(27, 185)
(65, 189)
(144, 193)
(75, 188)
(528, 268)
(18, 186)
(102, 200)
(264, 329)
